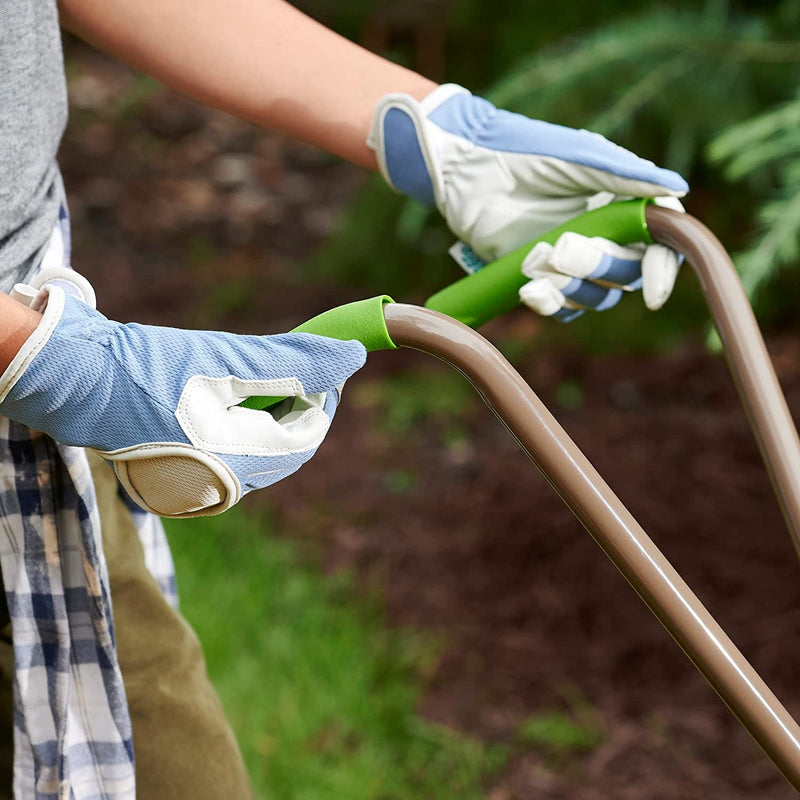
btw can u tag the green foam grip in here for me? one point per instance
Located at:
(362, 320)
(494, 289)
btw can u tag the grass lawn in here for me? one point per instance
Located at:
(320, 692)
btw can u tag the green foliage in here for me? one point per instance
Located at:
(558, 731)
(636, 80)
(754, 144)
(409, 399)
(320, 693)
(400, 481)
(570, 395)
(765, 151)
(388, 245)
(576, 728)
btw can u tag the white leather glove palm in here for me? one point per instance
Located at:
(502, 179)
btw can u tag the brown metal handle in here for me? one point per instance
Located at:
(747, 355)
(613, 527)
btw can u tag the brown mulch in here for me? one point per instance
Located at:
(187, 217)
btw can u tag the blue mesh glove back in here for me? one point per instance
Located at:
(502, 179)
(162, 404)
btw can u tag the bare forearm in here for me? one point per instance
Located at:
(262, 60)
(17, 323)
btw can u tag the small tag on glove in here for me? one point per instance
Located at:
(466, 258)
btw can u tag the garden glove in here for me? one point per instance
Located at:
(501, 179)
(162, 404)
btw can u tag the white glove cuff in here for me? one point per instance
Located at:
(50, 301)
(34, 294)
(426, 134)
(439, 95)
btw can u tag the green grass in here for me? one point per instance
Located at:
(559, 735)
(319, 691)
(410, 398)
(558, 731)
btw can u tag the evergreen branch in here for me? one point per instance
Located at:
(778, 245)
(585, 57)
(755, 131)
(757, 156)
(640, 93)
(765, 52)
(682, 147)
(637, 42)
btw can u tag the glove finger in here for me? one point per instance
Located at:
(257, 473)
(577, 256)
(568, 314)
(260, 480)
(539, 259)
(598, 259)
(316, 363)
(332, 398)
(319, 363)
(590, 181)
(591, 295)
(555, 178)
(303, 429)
(562, 289)
(328, 402)
(609, 157)
(659, 270)
(555, 160)
(506, 222)
(297, 425)
(670, 202)
(541, 296)
(566, 291)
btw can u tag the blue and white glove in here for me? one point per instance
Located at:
(502, 179)
(162, 404)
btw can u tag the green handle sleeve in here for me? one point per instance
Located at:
(362, 320)
(494, 289)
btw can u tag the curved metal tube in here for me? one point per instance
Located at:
(747, 355)
(610, 523)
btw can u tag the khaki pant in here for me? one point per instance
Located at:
(184, 746)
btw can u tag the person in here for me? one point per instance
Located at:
(89, 405)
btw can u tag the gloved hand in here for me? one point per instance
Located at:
(501, 179)
(162, 404)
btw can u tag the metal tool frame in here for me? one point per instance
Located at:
(601, 512)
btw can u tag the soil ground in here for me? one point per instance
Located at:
(187, 218)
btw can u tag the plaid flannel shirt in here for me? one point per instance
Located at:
(72, 729)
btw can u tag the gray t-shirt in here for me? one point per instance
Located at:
(33, 114)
